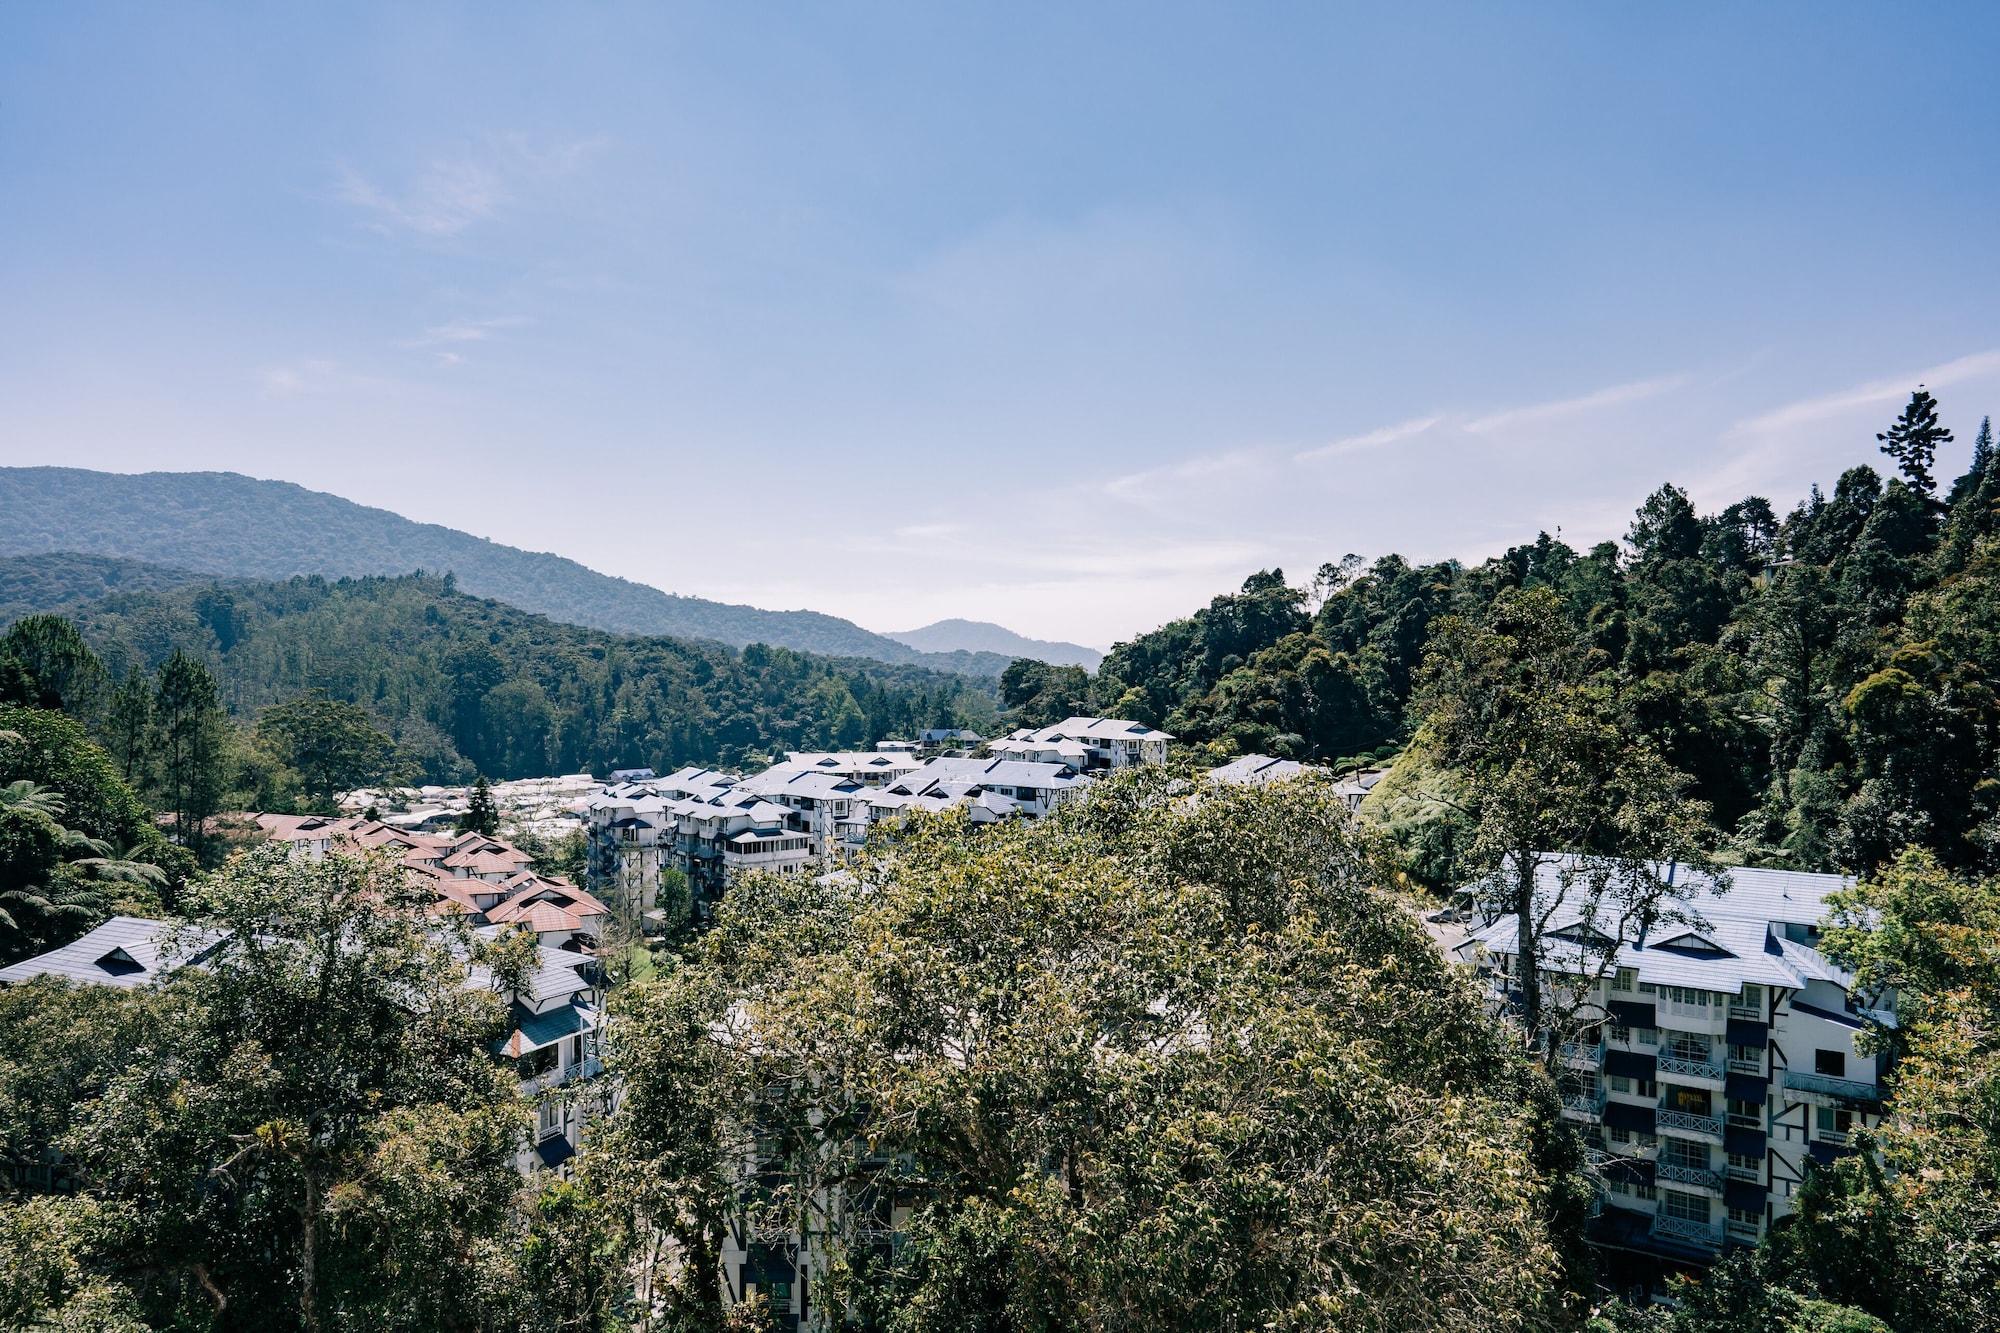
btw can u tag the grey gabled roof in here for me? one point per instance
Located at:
(125, 951)
(1744, 922)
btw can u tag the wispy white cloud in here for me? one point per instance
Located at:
(466, 330)
(1374, 439)
(920, 532)
(449, 194)
(309, 376)
(1157, 483)
(440, 340)
(1875, 393)
(1536, 414)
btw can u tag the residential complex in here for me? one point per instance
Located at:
(1716, 1059)
(811, 809)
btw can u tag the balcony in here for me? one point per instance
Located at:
(1840, 1138)
(1581, 1053)
(1699, 1176)
(588, 1067)
(1747, 1066)
(1686, 1230)
(1853, 1089)
(1675, 1066)
(1688, 1122)
(1584, 1105)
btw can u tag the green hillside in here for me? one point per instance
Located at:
(232, 526)
(465, 683)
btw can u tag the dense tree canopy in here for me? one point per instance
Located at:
(465, 686)
(1146, 1063)
(1826, 678)
(308, 1131)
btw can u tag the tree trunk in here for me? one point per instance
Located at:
(1527, 946)
(308, 1257)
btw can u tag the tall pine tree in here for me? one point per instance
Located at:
(189, 727)
(1913, 441)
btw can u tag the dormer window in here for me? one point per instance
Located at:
(120, 964)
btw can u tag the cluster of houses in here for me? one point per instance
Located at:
(808, 811)
(554, 1007)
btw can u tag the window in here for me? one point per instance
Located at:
(1648, 1139)
(1619, 1135)
(548, 1120)
(1646, 1192)
(1746, 1057)
(1833, 1064)
(1686, 1207)
(1747, 1164)
(1625, 979)
(1619, 1083)
(1649, 1036)
(1619, 1032)
(1751, 999)
(1833, 1121)
(1685, 995)
(1686, 1046)
(1745, 1113)
(1749, 1219)
(1684, 1152)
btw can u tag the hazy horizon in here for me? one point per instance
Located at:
(1061, 320)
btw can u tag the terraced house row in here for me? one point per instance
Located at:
(1712, 1061)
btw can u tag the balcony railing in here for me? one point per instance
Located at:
(1689, 1175)
(1588, 1105)
(1687, 1122)
(1800, 1081)
(1680, 1066)
(1746, 1066)
(1685, 1228)
(1838, 1137)
(1581, 1053)
(1749, 1013)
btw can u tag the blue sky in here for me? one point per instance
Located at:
(1063, 316)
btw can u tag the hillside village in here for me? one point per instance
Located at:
(1712, 1063)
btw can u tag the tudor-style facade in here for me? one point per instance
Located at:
(1715, 1061)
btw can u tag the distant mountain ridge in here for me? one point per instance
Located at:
(980, 636)
(224, 524)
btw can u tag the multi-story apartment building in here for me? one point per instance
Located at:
(1711, 1061)
(1099, 742)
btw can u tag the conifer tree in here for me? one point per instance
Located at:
(481, 814)
(188, 730)
(1914, 438)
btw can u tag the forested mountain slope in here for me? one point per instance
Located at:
(222, 523)
(465, 684)
(60, 580)
(980, 636)
(1830, 679)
